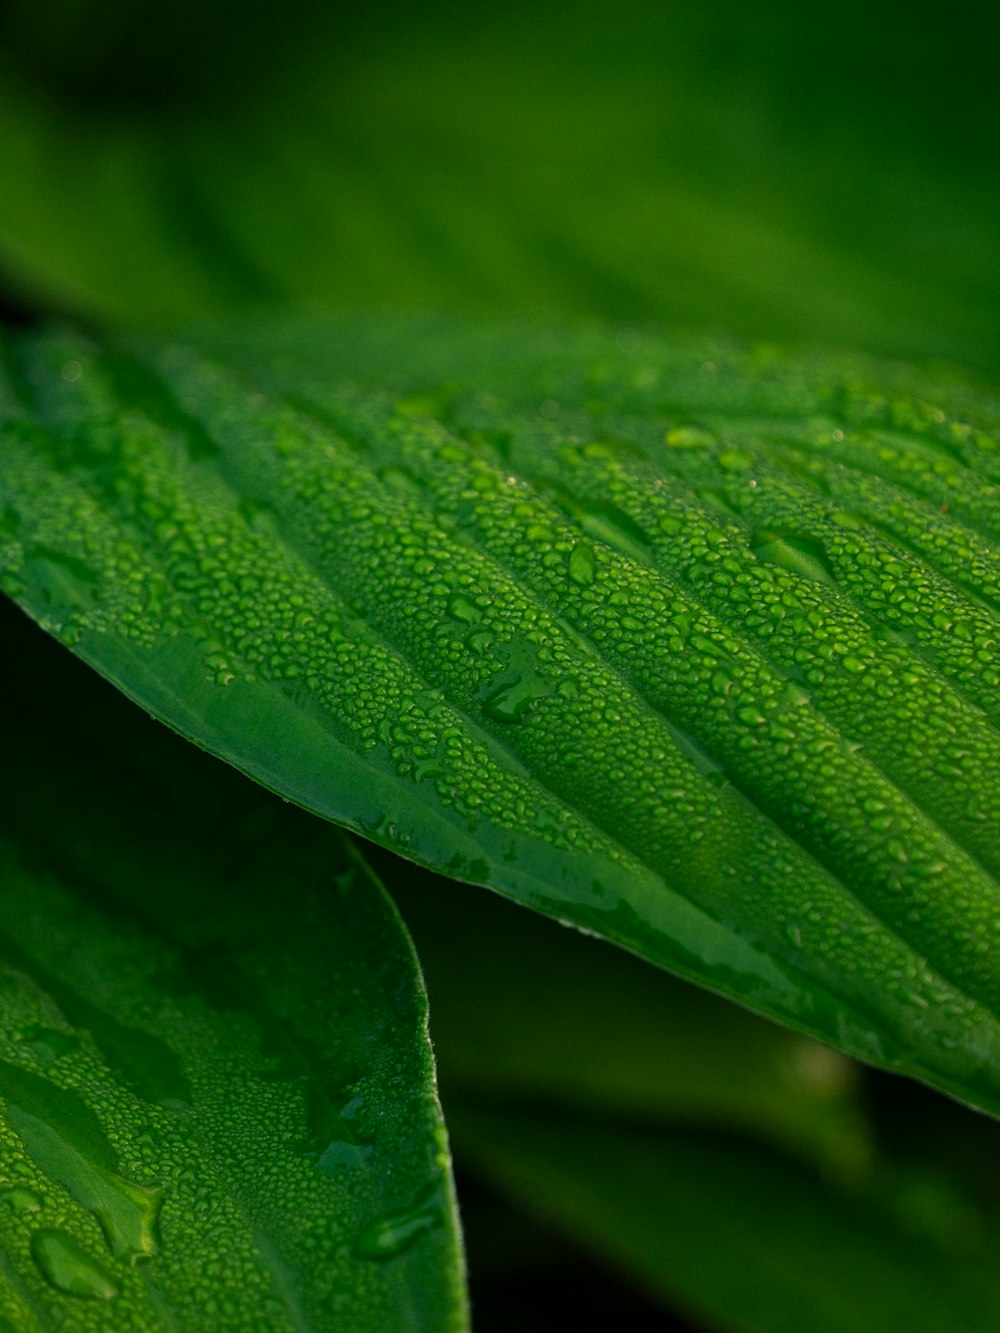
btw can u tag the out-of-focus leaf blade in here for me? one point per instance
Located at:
(533, 1014)
(682, 162)
(746, 1240)
(217, 1088)
(692, 646)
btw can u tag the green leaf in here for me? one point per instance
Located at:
(746, 1240)
(676, 161)
(691, 646)
(218, 1101)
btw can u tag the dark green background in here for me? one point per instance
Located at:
(826, 171)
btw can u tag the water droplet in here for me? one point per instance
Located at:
(735, 460)
(22, 1200)
(341, 1152)
(460, 608)
(388, 1236)
(722, 682)
(513, 699)
(751, 716)
(798, 554)
(70, 1147)
(607, 524)
(689, 437)
(480, 641)
(582, 564)
(670, 525)
(70, 1269)
(846, 520)
(974, 810)
(337, 1139)
(702, 644)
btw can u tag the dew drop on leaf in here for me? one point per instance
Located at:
(798, 554)
(21, 1200)
(462, 609)
(389, 1236)
(69, 1269)
(512, 700)
(582, 564)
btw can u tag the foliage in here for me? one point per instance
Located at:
(688, 640)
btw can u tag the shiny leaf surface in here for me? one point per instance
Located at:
(688, 645)
(218, 1100)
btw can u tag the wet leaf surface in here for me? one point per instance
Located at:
(690, 645)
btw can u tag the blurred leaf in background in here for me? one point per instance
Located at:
(826, 171)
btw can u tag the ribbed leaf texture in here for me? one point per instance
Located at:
(693, 646)
(217, 1097)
